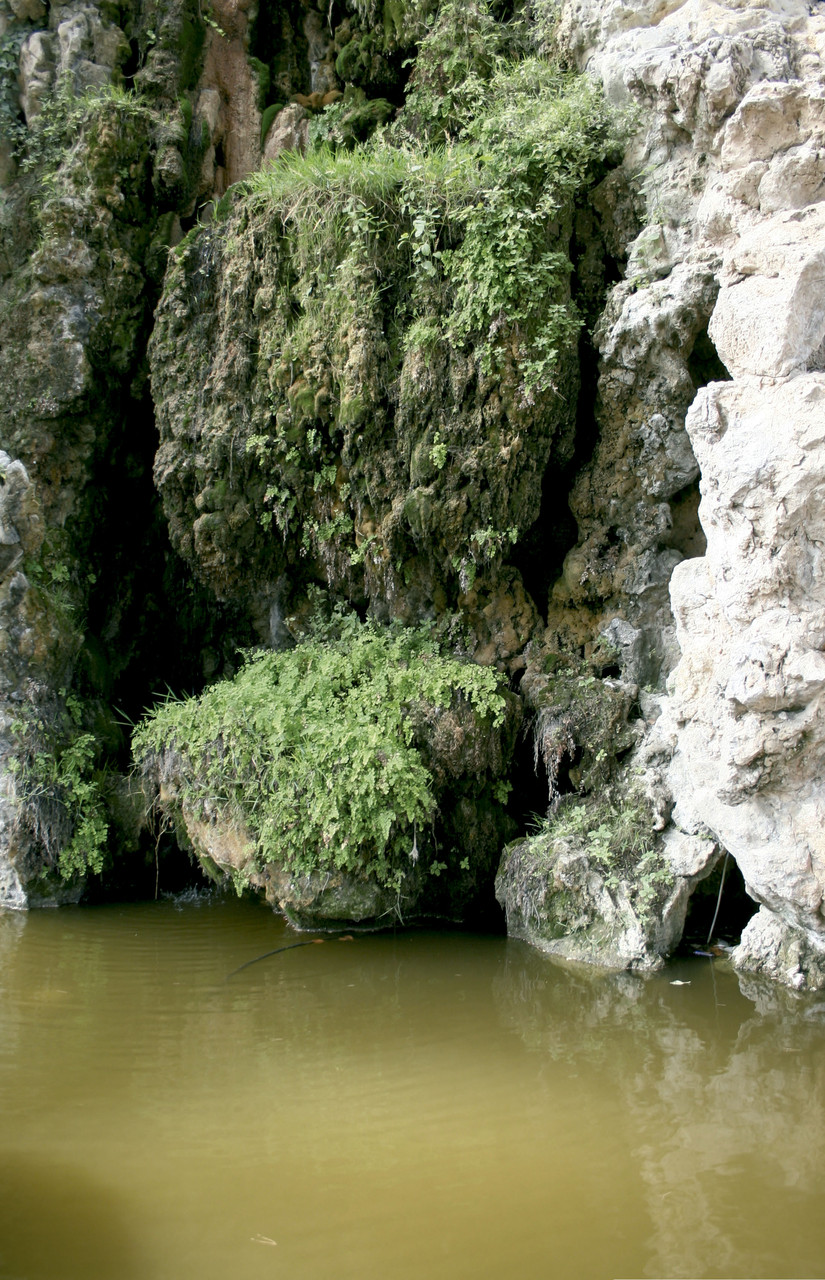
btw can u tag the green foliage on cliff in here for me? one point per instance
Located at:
(61, 787)
(471, 237)
(313, 749)
(87, 123)
(12, 128)
(364, 366)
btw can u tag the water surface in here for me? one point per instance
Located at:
(397, 1106)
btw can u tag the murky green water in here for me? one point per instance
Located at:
(409, 1106)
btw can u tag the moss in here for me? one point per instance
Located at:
(190, 50)
(302, 401)
(268, 115)
(352, 411)
(359, 120)
(262, 77)
(349, 62)
(395, 21)
(300, 306)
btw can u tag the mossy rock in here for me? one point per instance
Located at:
(364, 777)
(558, 895)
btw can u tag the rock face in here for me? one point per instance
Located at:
(323, 427)
(734, 182)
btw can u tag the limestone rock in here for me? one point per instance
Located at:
(770, 315)
(335, 901)
(37, 68)
(791, 956)
(731, 146)
(288, 131)
(748, 693)
(558, 897)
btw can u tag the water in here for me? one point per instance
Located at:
(424, 1104)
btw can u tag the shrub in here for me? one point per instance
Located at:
(312, 749)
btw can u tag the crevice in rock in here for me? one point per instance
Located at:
(703, 363)
(686, 534)
(156, 867)
(150, 631)
(540, 553)
(132, 64)
(277, 40)
(531, 794)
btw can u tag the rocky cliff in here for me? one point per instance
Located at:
(503, 319)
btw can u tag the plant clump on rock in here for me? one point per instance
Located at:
(343, 775)
(594, 885)
(363, 368)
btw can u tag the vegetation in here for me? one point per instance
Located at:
(313, 750)
(470, 230)
(61, 788)
(441, 244)
(12, 127)
(615, 829)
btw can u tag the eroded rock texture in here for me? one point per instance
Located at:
(637, 540)
(731, 178)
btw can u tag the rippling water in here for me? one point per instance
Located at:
(409, 1105)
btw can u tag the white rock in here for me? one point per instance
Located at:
(732, 162)
(770, 315)
(37, 55)
(288, 131)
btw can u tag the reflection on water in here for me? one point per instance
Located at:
(725, 1107)
(396, 1106)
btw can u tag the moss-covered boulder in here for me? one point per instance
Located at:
(595, 886)
(355, 778)
(365, 366)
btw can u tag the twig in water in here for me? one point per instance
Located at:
(310, 942)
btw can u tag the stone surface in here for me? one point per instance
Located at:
(708, 353)
(770, 315)
(730, 153)
(557, 897)
(748, 693)
(288, 131)
(775, 949)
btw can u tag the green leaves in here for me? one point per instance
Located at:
(59, 774)
(313, 748)
(484, 216)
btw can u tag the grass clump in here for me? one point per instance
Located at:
(312, 749)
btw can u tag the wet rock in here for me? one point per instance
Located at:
(562, 899)
(774, 948)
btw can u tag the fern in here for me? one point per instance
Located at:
(313, 748)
